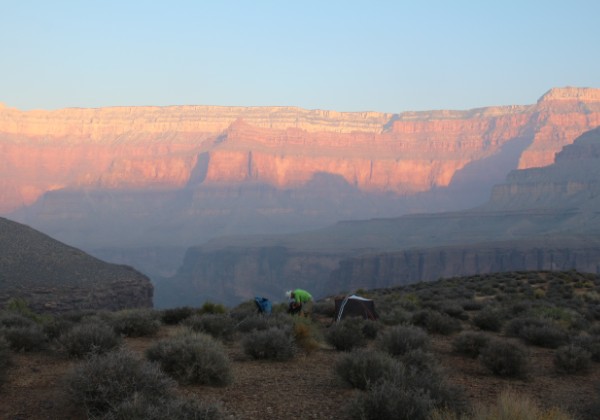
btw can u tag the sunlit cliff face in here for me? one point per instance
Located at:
(169, 147)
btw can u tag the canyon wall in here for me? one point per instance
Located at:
(540, 219)
(169, 147)
(416, 265)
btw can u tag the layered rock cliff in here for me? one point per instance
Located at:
(53, 277)
(167, 147)
(540, 219)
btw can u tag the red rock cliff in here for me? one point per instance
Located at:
(159, 147)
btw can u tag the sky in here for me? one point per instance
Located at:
(385, 56)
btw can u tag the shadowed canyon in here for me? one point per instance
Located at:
(145, 186)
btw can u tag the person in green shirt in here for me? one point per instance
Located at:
(302, 300)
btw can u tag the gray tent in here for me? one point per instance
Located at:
(355, 306)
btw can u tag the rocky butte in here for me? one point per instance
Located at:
(139, 185)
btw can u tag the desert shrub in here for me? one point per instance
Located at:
(431, 378)
(516, 325)
(548, 335)
(5, 358)
(402, 338)
(135, 322)
(471, 305)
(489, 319)
(212, 308)
(19, 306)
(571, 359)
(306, 335)
(514, 405)
(419, 360)
(385, 400)
(192, 358)
(589, 343)
(371, 328)
(325, 308)
(503, 358)
(252, 323)
(102, 382)
(174, 316)
(346, 334)
(271, 344)
(9, 319)
(470, 343)
(89, 337)
(219, 326)
(360, 368)
(26, 338)
(454, 310)
(436, 322)
(394, 315)
(174, 408)
(57, 326)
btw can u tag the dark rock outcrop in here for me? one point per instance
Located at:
(53, 277)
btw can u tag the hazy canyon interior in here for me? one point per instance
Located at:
(225, 203)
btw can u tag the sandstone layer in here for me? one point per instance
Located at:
(169, 147)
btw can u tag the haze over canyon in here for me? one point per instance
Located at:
(141, 185)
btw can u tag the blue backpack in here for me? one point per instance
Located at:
(264, 305)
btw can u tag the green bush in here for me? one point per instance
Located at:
(212, 308)
(26, 338)
(346, 334)
(193, 358)
(135, 322)
(103, 382)
(174, 316)
(220, 326)
(571, 359)
(503, 358)
(361, 368)
(89, 337)
(401, 339)
(271, 344)
(470, 343)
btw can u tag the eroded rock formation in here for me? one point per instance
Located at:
(540, 219)
(167, 147)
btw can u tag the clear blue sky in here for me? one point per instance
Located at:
(388, 56)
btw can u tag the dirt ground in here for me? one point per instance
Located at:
(304, 387)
